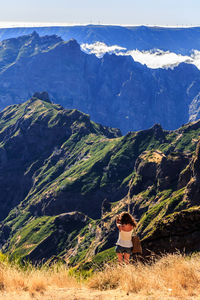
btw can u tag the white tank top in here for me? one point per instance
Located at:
(124, 239)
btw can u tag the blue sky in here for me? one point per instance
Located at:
(154, 12)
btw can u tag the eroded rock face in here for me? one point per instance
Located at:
(156, 168)
(193, 186)
(170, 168)
(177, 232)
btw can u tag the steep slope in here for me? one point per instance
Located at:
(178, 40)
(38, 135)
(114, 90)
(64, 178)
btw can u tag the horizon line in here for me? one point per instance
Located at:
(7, 25)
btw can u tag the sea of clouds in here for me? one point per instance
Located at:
(153, 59)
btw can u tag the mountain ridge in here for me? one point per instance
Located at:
(115, 91)
(178, 40)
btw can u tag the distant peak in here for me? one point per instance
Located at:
(35, 34)
(73, 44)
(44, 96)
(158, 132)
(157, 126)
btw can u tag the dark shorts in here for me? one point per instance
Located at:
(120, 249)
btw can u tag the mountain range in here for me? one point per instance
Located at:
(178, 40)
(64, 178)
(114, 90)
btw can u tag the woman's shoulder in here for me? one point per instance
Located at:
(127, 227)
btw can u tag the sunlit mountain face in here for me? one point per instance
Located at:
(153, 59)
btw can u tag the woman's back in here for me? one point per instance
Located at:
(125, 235)
(124, 238)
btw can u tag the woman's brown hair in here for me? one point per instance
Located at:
(126, 218)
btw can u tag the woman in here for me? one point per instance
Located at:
(126, 224)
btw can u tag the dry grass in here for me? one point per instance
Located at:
(34, 280)
(171, 276)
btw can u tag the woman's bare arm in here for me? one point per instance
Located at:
(118, 223)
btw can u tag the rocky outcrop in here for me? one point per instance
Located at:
(174, 231)
(177, 232)
(193, 186)
(154, 168)
(44, 96)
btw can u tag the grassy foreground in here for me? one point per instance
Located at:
(171, 277)
(33, 280)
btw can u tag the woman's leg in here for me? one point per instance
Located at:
(120, 257)
(126, 258)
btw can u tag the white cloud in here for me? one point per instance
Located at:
(158, 58)
(99, 49)
(153, 59)
(196, 58)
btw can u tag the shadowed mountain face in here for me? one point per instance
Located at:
(114, 90)
(64, 178)
(178, 40)
(33, 134)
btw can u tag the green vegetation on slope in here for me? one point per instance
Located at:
(65, 163)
